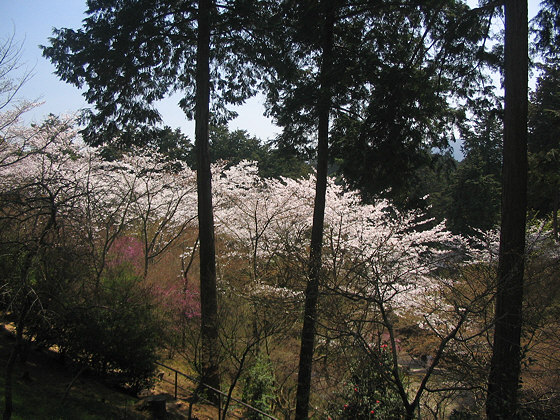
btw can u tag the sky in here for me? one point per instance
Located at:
(32, 22)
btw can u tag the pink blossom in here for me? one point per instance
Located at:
(179, 300)
(127, 251)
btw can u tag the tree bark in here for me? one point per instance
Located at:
(556, 204)
(312, 289)
(208, 292)
(506, 357)
(10, 365)
(8, 379)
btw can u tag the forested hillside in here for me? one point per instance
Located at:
(350, 268)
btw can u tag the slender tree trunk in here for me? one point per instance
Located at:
(312, 290)
(10, 365)
(555, 215)
(8, 379)
(208, 292)
(505, 365)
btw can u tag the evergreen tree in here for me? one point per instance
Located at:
(298, 56)
(414, 59)
(233, 146)
(474, 198)
(546, 27)
(132, 54)
(328, 10)
(544, 146)
(273, 162)
(503, 383)
(474, 192)
(385, 80)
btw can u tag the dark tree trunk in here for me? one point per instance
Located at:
(312, 290)
(208, 293)
(505, 366)
(10, 365)
(556, 204)
(8, 379)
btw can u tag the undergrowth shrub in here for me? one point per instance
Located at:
(367, 393)
(259, 388)
(115, 333)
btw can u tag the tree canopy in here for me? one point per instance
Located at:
(129, 55)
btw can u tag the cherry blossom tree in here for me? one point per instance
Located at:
(381, 267)
(398, 290)
(38, 194)
(162, 201)
(59, 199)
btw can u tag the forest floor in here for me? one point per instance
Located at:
(40, 393)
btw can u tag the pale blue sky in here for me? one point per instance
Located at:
(33, 21)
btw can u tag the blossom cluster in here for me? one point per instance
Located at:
(267, 220)
(264, 222)
(47, 170)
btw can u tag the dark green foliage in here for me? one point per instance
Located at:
(544, 117)
(44, 283)
(259, 388)
(367, 394)
(546, 26)
(396, 70)
(277, 162)
(474, 199)
(58, 279)
(129, 55)
(475, 189)
(49, 287)
(544, 142)
(431, 191)
(172, 144)
(110, 329)
(114, 332)
(400, 110)
(111, 57)
(235, 146)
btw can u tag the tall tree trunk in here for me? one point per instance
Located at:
(556, 204)
(208, 293)
(505, 366)
(312, 290)
(8, 382)
(10, 365)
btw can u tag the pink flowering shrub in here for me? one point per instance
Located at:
(181, 301)
(126, 253)
(179, 305)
